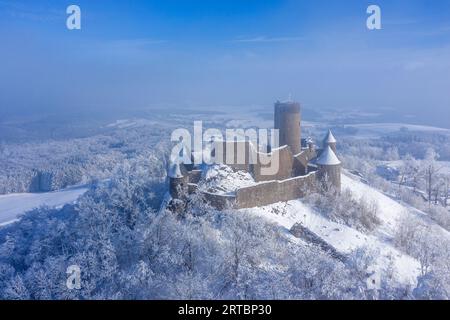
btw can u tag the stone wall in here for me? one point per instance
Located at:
(285, 162)
(301, 162)
(270, 192)
(267, 193)
(262, 194)
(220, 202)
(195, 176)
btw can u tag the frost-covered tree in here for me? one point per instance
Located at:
(431, 168)
(345, 208)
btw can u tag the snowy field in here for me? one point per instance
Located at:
(376, 130)
(442, 167)
(12, 206)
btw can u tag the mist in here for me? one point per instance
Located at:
(134, 56)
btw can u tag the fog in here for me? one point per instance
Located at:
(208, 54)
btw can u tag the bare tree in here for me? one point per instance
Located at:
(436, 192)
(417, 239)
(409, 173)
(446, 192)
(413, 170)
(431, 170)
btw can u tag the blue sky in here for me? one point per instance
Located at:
(211, 53)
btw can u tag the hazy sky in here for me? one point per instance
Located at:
(134, 54)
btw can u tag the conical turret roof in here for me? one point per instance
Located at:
(328, 158)
(329, 138)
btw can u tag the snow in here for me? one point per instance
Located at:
(12, 206)
(442, 166)
(250, 122)
(390, 213)
(345, 239)
(274, 149)
(328, 158)
(221, 179)
(131, 123)
(375, 130)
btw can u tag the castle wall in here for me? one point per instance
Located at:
(301, 162)
(220, 202)
(195, 176)
(270, 192)
(285, 163)
(275, 191)
(262, 194)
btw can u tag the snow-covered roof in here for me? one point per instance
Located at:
(330, 138)
(175, 171)
(328, 158)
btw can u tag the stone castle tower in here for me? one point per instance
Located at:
(178, 182)
(288, 122)
(329, 166)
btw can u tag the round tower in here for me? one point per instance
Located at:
(330, 141)
(329, 173)
(288, 122)
(178, 183)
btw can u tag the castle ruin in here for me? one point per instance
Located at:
(301, 170)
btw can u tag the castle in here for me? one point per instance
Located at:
(301, 169)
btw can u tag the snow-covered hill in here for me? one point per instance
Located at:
(388, 261)
(16, 204)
